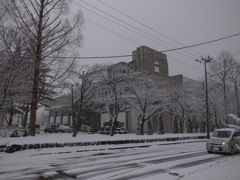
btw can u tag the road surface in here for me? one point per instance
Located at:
(106, 162)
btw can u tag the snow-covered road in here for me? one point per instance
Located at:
(154, 161)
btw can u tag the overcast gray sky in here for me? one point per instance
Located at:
(172, 22)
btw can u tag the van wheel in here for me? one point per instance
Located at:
(232, 151)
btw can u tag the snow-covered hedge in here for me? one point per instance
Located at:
(16, 147)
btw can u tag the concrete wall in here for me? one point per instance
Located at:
(150, 61)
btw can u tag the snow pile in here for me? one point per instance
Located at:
(234, 117)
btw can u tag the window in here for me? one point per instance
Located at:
(156, 68)
(222, 134)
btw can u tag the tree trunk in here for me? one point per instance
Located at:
(113, 126)
(180, 127)
(112, 130)
(26, 116)
(35, 87)
(11, 115)
(175, 125)
(225, 102)
(138, 126)
(141, 128)
(215, 118)
(74, 125)
(78, 120)
(160, 125)
(73, 115)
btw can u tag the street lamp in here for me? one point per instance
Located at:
(206, 60)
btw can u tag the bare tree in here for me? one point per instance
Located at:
(144, 98)
(111, 92)
(83, 94)
(235, 79)
(47, 26)
(223, 62)
(183, 102)
(216, 102)
(15, 70)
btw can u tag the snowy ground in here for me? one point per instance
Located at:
(185, 161)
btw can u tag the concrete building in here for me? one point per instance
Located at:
(148, 60)
(144, 59)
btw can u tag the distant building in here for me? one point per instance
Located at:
(60, 111)
(151, 61)
(144, 59)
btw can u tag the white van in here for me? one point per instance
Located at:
(225, 140)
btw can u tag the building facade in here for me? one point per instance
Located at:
(144, 59)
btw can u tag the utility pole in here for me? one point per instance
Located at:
(206, 60)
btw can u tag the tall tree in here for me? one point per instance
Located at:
(83, 93)
(184, 101)
(51, 33)
(216, 102)
(15, 69)
(111, 94)
(223, 62)
(144, 97)
(235, 79)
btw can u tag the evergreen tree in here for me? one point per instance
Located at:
(149, 128)
(138, 127)
(160, 125)
(175, 125)
(189, 125)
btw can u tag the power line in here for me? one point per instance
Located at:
(224, 70)
(186, 64)
(227, 68)
(147, 27)
(163, 51)
(129, 25)
(113, 32)
(133, 41)
(236, 53)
